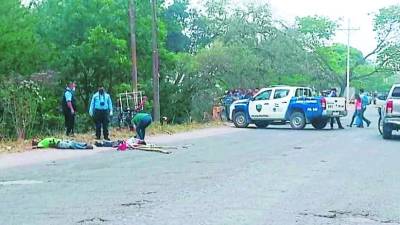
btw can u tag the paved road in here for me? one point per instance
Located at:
(254, 176)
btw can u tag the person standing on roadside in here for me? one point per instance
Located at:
(100, 108)
(334, 94)
(227, 101)
(365, 103)
(69, 108)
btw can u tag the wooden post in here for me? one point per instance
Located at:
(156, 77)
(132, 23)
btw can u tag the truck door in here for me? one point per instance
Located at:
(280, 103)
(260, 106)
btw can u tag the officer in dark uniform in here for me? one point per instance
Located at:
(69, 108)
(334, 94)
(100, 108)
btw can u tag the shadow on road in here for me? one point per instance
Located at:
(394, 138)
(288, 128)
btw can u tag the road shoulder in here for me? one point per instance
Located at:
(32, 157)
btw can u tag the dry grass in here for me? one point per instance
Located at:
(14, 146)
(115, 134)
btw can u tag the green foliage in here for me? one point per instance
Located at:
(234, 66)
(336, 57)
(380, 82)
(387, 21)
(101, 60)
(293, 79)
(20, 50)
(20, 103)
(176, 19)
(317, 29)
(387, 28)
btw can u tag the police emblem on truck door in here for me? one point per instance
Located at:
(258, 108)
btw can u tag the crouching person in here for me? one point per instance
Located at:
(140, 122)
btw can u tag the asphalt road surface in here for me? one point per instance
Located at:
(250, 177)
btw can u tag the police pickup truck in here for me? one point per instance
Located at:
(282, 104)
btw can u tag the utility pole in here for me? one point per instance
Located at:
(348, 29)
(132, 23)
(156, 76)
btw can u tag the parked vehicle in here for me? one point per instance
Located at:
(370, 98)
(380, 99)
(390, 113)
(286, 104)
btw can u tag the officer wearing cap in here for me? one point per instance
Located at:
(100, 108)
(334, 94)
(69, 108)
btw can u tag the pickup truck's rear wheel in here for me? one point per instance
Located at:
(297, 121)
(240, 120)
(261, 124)
(319, 123)
(387, 131)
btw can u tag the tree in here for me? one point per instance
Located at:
(21, 51)
(89, 38)
(387, 28)
(101, 60)
(313, 34)
(317, 30)
(176, 18)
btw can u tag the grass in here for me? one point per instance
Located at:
(9, 146)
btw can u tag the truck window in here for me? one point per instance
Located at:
(265, 95)
(396, 92)
(303, 92)
(281, 93)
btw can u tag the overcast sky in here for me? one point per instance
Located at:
(356, 10)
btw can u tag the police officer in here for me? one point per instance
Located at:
(227, 100)
(141, 121)
(100, 108)
(69, 108)
(334, 94)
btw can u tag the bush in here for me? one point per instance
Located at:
(21, 101)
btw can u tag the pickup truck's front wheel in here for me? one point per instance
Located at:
(319, 124)
(240, 120)
(297, 121)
